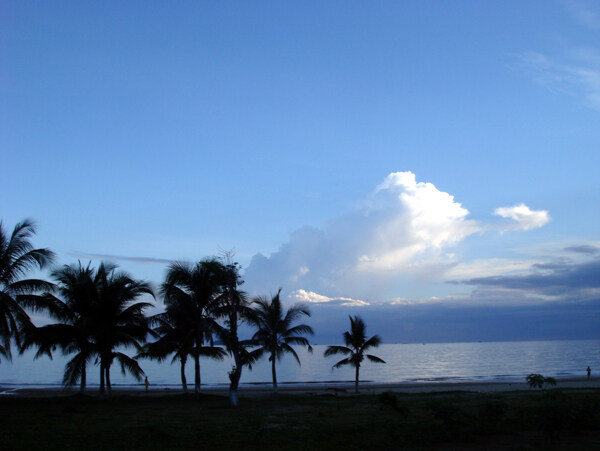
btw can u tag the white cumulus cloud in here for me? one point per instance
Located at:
(422, 218)
(404, 228)
(312, 297)
(524, 217)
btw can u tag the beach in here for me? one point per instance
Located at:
(339, 388)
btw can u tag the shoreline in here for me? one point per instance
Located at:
(301, 388)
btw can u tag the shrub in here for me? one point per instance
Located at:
(538, 381)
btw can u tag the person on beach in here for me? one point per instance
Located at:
(146, 383)
(589, 372)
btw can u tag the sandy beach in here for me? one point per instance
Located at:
(304, 389)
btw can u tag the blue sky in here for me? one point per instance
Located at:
(368, 157)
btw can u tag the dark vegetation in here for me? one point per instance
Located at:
(275, 330)
(535, 380)
(356, 346)
(552, 420)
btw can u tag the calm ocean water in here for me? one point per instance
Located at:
(437, 362)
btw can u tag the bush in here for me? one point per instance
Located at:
(538, 381)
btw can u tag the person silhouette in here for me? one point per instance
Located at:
(589, 372)
(146, 383)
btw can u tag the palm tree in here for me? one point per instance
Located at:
(174, 338)
(190, 294)
(98, 315)
(77, 288)
(276, 332)
(356, 345)
(233, 306)
(17, 258)
(117, 321)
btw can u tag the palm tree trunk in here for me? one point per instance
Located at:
(196, 372)
(108, 386)
(356, 380)
(234, 376)
(183, 379)
(233, 397)
(236, 373)
(274, 373)
(83, 379)
(101, 379)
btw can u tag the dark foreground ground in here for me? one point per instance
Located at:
(555, 420)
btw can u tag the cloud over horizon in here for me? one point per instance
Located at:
(403, 228)
(311, 297)
(562, 280)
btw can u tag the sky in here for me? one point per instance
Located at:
(430, 166)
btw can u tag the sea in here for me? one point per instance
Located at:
(405, 363)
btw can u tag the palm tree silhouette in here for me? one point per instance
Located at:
(174, 338)
(116, 321)
(276, 332)
(17, 258)
(356, 345)
(77, 288)
(99, 315)
(187, 327)
(234, 307)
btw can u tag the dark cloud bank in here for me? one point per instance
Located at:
(438, 323)
(562, 280)
(557, 301)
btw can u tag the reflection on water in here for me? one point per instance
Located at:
(505, 361)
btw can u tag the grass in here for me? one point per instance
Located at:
(454, 420)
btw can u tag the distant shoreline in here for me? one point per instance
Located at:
(338, 388)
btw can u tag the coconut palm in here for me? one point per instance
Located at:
(176, 331)
(234, 307)
(116, 321)
(173, 339)
(98, 316)
(77, 289)
(276, 332)
(17, 258)
(190, 293)
(356, 346)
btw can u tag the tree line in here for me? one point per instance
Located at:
(97, 313)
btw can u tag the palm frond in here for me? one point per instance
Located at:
(287, 348)
(129, 365)
(301, 329)
(74, 369)
(374, 358)
(214, 352)
(343, 362)
(296, 311)
(372, 342)
(334, 350)
(298, 341)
